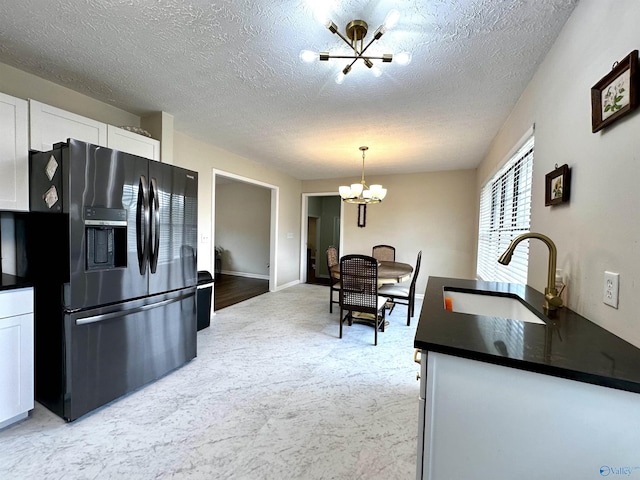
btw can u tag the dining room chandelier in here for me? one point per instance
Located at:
(359, 192)
(356, 31)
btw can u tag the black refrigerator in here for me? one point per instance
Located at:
(111, 249)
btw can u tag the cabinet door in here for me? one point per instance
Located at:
(51, 125)
(16, 354)
(14, 165)
(129, 142)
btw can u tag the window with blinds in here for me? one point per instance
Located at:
(505, 213)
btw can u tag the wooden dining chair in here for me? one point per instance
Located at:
(403, 293)
(384, 253)
(359, 293)
(334, 286)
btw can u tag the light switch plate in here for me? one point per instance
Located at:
(611, 288)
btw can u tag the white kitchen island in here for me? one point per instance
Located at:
(504, 400)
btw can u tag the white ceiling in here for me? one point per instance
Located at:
(229, 72)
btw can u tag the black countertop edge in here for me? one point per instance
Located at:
(567, 345)
(11, 282)
(599, 380)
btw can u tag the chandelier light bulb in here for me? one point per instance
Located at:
(391, 19)
(377, 192)
(309, 56)
(403, 58)
(345, 191)
(379, 32)
(324, 20)
(321, 9)
(340, 78)
(376, 71)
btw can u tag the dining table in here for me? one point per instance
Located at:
(388, 272)
(393, 272)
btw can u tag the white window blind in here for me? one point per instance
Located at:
(505, 213)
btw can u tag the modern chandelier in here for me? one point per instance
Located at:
(359, 192)
(356, 31)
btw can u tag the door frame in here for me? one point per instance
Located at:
(303, 229)
(273, 230)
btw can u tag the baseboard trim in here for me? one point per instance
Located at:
(245, 275)
(287, 285)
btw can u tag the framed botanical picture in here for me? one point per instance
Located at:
(362, 215)
(616, 94)
(557, 185)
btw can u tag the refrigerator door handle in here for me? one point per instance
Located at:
(115, 314)
(142, 225)
(155, 227)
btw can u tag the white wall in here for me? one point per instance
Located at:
(598, 230)
(24, 85)
(243, 220)
(433, 212)
(204, 158)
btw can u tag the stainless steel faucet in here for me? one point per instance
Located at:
(552, 298)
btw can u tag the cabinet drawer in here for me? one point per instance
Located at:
(16, 302)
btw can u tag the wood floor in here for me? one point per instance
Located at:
(231, 289)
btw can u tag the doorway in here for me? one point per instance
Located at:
(244, 226)
(321, 228)
(314, 225)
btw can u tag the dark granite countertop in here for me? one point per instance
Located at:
(11, 282)
(567, 346)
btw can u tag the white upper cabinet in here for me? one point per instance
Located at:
(50, 125)
(125, 141)
(14, 154)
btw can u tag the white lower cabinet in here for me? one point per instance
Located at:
(483, 421)
(16, 355)
(14, 151)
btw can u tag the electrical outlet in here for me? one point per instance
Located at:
(611, 287)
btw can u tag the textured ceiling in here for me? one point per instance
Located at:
(229, 72)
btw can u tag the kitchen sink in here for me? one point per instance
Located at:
(482, 303)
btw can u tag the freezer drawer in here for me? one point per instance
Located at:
(113, 350)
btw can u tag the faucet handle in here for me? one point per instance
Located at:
(553, 299)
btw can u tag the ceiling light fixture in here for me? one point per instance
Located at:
(356, 31)
(360, 192)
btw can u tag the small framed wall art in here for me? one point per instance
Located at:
(557, 185)
(616, 94)
(362, 215)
